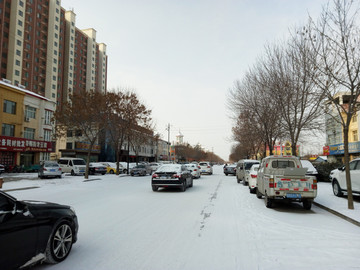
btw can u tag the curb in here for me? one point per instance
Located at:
(353, 221)
(15, 189)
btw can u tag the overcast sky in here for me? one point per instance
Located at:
(182, 56)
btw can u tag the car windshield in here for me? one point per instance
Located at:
(203, 164)
(169, 168)
(51, 164)
(248, 165)
(79, 162)
(140, 166)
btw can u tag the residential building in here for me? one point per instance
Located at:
(334, 148)
(26, 127)
(43, 51)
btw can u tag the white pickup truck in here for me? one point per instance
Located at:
(282, 177)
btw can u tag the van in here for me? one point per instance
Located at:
(75, 166)
(243, 166)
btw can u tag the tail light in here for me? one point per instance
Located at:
(155, 175)
(176, 176)
(59, 169)
(271, 183)
(45, 169)
(314, 185)
(208, 166)
(253, 175)
(195, 170)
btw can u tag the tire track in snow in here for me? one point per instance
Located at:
(208, 209)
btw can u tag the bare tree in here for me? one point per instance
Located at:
(291, 73)
(84, 112)
(336, 39)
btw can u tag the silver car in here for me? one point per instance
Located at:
(49, 169)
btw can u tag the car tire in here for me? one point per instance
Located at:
(192, 182)
(336, 189)
(243, 182)
(268, 201)
(307, 204)
(252, 190)
(60, 176)
(238, 180)
(183, 187)
(111, 172)
(226, 174)
(258, 194)
(125, 171)
(155, 188)
(72, 172)
(102, 173)
(60, 243)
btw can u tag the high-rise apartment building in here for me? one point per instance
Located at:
(42, 50)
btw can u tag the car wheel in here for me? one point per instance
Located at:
(336, 189)
(183, 186)
(125, 171)
(72, 172)
(238, 180)
(258, 194)
(60, 243)
(111, 172)
(60, 176)
(243, 182)
(252, 190)
(192, 182)
(307, 204)
(268, 201)
(226, 174)
(102, 173)
(155, 188)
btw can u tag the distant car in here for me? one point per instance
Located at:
(49, 169)
(32, 232)
(205, 167)
(75, 166)
(311, 170)
(97, 168)
(194, 169)
(338, 178)
(141, 169)
(230, 169)
(252, 177)
(111, 167)
(154, 166)
(172, 175)
(125, 165)
(2, 168)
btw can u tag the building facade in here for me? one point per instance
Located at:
(26, 127)
(43, 51)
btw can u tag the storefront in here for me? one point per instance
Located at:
(336, 151)
(20, 151)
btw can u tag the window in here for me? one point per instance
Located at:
(30, 112)
(355, 135)
(69, 145)
(78, 133)
(8, 130)
(47, 135)
(48, 116)
(29, 133)
(69, 133)
(282, 164)
(9, 106)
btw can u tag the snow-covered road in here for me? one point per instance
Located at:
(216, 224)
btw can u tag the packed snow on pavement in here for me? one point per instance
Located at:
(216, 224)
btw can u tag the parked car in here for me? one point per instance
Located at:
(311, 170)
(97, 168)
(141, 169)
(252, 177)
(2, 168)
(75, 166)
(338, 178)
(111, 167)
(194, 169)
(32, 231)
(125, 165)
(49, 169)
(242, 167)
(230, 169)
(172, 175)
(154, 166)
(205, 167)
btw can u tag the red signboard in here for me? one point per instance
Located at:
(326, 150)
(24, 145)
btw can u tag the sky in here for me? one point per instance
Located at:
(182, 57)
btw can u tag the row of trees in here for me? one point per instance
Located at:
(188, 153)
(119, 115)
(288, 89)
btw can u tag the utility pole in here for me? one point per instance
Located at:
(168, 130)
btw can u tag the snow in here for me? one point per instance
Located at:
(216, 224)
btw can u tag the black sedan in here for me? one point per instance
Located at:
(33, 231)
(230, 169)
(172, 175)
(97, 168)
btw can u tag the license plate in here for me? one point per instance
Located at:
(203, 171)
(52, 170)
(82, 171)
(293, 196)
